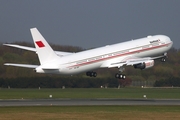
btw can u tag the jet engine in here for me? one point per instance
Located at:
(144, 65)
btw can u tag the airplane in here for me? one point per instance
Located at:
(139, 53)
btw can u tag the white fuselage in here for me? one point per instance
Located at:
(102, 57)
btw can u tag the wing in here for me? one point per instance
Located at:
(131, 61)
(59, 53)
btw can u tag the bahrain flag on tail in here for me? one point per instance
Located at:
(40, 44)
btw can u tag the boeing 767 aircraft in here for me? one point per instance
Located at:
(139, 53)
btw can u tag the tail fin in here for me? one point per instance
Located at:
(44, 51)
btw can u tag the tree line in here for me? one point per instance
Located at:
(23, 77)
(59, 82)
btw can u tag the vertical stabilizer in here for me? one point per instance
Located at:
(44, 51)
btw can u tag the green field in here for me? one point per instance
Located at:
(91, 113)
(158, 93)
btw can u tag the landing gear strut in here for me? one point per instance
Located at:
(91, 74)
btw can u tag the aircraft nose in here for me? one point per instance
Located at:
(168, 40)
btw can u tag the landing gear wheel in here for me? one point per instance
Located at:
(123, 77)
(94, 74)
(163, 60)
(88, 73)
(117, 75)
(120, 76)
(91, 74)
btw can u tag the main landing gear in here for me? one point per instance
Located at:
(120, 76)
(91, 74)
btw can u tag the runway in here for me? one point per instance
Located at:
(88, 102)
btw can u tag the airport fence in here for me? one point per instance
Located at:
(142, 83)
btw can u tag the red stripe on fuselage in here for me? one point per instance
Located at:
(146, 49)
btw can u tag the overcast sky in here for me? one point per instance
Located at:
(89, 23)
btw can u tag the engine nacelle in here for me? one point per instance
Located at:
(144, 65)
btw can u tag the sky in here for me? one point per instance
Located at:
(89, 23)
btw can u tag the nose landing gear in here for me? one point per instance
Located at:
(163, 59)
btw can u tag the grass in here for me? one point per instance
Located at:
(160, 93)
(91, 113)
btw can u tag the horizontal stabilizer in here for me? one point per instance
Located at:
(21, 65)
(59, 53)
(21, 47)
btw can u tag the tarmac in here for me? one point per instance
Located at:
(87, 102)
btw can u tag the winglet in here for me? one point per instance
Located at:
(44, 51)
